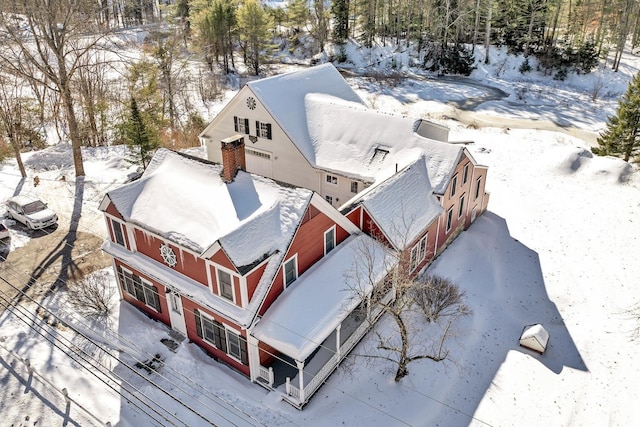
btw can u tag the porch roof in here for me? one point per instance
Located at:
(313, 306)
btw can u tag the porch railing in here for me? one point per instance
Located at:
(337, 357)
(266, 375)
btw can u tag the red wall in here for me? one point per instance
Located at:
(308, 243)
(354, 217)
(432, 231)
(372, 229)
(189, 306)
(253, 279)
(188, 264)
(163, 316)
(468, 189)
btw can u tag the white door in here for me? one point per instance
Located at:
(258, 162)
(474, 213)
(175, 312)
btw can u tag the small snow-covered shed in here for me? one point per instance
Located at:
(534, 337)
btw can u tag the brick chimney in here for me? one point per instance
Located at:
(232, 157)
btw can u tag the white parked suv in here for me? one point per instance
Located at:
(31, 212)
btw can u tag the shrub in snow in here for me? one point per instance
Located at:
(437, 296)
(92, 295)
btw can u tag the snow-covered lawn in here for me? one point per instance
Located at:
(557, 247)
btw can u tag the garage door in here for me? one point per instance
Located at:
(258, 162)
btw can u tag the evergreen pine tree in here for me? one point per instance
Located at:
(621, 137)
(340, 11)
(254, 24)
(138, 137)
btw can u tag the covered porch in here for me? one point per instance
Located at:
(319, 319)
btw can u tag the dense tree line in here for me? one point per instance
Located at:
(59, 65)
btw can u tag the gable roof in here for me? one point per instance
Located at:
(403, 206)
(369, 145)
(184, 200)
(283, 96)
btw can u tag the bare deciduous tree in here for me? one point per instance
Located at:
(51, 37)
(416, 303)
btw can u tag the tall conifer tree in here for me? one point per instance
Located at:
(621, 138)
(139, 137)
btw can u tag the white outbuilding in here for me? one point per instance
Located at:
(534, 337)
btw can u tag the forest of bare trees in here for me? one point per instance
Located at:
(63, 72)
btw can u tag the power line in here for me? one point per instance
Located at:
(333, 351)
(106, 351)
(4, 302)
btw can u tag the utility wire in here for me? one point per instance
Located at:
(320, 345)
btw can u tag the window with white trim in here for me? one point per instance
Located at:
(118, 232)
(225, 284)
(465, 174)
(140, 289)
(449, 219)
(221, 337)
(241, 124)
(418, 252)
(478, 185)
(329, 199)
(290, 270)
(332, 179)
(354, 187)
(329, 239)
(454, 184)
(263, 130)
(461, 206)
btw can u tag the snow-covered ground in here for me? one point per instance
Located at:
(557, 247)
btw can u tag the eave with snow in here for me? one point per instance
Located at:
(216, 253)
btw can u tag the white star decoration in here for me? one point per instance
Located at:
(168, 255)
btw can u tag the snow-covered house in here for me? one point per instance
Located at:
(254, 272)
(310, 129)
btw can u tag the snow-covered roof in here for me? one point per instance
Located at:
(284, 97)
(185, 201)
(360, 142)
(321, 298)
(403, 205)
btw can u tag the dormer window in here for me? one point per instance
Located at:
(118, 232)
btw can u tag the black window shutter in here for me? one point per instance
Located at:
(243, 351)
(235, 123)
(268, 130)
(257, 128)
(221, 337)
(198, 323)
(246, 126)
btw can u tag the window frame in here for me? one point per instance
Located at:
(221, 293)
(263, 130)
(220, 336)
(117, 225)
(329, 199)
(139, 288)
(354, 187)
(332, 231)
(465, 174)
(461, 206)
(454, 185)
(449, 219)
(331, 179)
(293, 259)
(418, 253)
(241, 124)
(478, 183)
